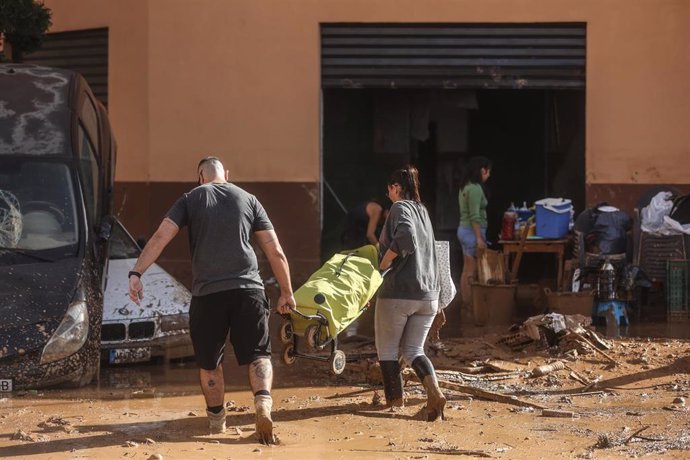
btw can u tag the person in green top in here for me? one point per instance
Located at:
(472, 228)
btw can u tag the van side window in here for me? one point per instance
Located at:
(89, 119)
(88, 168)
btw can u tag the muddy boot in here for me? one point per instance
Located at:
(216, 422)
(392, 383)
(264, 423)
(435, 401)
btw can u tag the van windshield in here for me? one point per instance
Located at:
(38, 218)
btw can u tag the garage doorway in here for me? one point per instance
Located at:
(435, 95)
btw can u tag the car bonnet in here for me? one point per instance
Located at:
(33, 301)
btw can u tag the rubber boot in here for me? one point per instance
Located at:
(264, 423)
(435, 401)
(392, 383)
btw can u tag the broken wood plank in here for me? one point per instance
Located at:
(501, 365)
(598, 341)
(485, 394)
(557, 413)
(477, 377)
(490, 395)
(472, 369)
(462, 452)
(577, 378)
(588, 393)
(410, 375)
(635, 434)
(594, 347)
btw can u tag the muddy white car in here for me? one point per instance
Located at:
(159, 326)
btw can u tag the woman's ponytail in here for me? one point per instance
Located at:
(408, 179)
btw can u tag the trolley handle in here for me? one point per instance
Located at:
(318, 298)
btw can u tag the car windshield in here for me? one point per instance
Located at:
(122, 246)
(38, 217)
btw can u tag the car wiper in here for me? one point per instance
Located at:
(27, 254)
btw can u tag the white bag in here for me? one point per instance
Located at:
(447, 290)
(653, 214)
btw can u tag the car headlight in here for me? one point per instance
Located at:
(70, 335)
(174, 322)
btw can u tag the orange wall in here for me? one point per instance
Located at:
(240, 79)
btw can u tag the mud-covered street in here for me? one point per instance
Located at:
(634, 409)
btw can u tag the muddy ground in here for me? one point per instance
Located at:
(140, 411)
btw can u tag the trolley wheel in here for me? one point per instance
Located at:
(337, 362)
(312, 336)
(288, 355)
(286, 332)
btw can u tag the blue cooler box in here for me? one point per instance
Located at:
(553, 217)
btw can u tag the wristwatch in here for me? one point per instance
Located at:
(129, 275)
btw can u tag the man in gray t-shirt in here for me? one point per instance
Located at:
(221, 218)
(227, 292)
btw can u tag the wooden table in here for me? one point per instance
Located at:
(540, 246)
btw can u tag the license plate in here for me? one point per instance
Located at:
(130, 355)
(5, 385)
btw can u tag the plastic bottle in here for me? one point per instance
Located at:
(606, 282)
(518, 228)
(547, 369)
(508, 223)
(524, 213)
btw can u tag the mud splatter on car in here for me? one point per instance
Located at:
(56, 158)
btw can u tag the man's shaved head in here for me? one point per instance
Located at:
(211, 168)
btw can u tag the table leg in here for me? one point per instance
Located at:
(560, 269)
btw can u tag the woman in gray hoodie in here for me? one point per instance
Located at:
(408, 298)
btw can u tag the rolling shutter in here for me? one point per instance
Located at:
(83, 51)
(531, 56)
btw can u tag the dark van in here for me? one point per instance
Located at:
(57, 160)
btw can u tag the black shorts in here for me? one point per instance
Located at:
(242, 312)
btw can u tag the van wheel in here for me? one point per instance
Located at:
(337, 361)
(288, 355)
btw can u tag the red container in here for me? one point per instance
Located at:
(508, 226)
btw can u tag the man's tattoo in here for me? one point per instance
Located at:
(212, 383)
(262, 368)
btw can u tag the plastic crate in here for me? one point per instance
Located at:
(677, 280)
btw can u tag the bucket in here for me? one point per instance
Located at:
(553, 217)
(493, 304)
(570, 303)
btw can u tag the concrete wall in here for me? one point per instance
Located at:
(240, 79)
